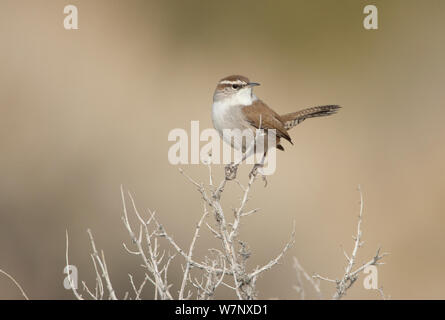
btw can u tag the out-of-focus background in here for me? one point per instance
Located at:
(84, 111)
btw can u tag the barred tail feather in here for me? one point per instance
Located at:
(290, 120)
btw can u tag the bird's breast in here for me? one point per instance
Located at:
(229, 117)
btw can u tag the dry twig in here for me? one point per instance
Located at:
(15, 283)
(350, 275)
(228, 261)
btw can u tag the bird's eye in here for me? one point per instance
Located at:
(236, 86)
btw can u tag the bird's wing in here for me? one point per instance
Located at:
(259, 115)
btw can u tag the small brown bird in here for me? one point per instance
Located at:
(236, 107)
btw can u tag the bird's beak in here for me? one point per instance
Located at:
(253, 84)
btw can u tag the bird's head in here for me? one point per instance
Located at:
(235, 90)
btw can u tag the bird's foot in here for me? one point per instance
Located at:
(230, 171)
(257, 169)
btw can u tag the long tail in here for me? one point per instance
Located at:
(290, 120)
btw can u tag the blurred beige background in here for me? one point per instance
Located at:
(84, 111)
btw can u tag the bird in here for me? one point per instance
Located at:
(235, 106)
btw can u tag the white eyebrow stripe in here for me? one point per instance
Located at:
(240, 82)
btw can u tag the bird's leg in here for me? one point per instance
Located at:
(257, 169)
(232, 168)
(254, 170)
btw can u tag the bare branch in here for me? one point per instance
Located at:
(349, 276)
(73, 287)
(189, 258)
(315, 284)
(275, 261)
(16, 283)
(103, 267)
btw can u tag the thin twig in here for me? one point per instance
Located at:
(315, 284)
(349, 276)
(192, 246)
(73, 287)
(16, 283)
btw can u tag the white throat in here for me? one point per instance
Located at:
(243, 97)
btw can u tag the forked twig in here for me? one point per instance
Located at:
(349, 276)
